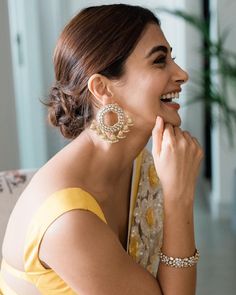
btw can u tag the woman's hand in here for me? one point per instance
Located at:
(177, 156)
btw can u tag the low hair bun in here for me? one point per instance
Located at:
(66, 112)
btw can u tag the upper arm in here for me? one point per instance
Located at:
(88, 256)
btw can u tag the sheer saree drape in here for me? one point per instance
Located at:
(146, 214)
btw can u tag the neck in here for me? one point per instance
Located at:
(112, 162)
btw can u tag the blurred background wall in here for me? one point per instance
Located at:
(9, 156)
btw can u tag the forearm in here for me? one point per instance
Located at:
(178, 241)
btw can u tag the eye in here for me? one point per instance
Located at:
(160, 60)
(174, 58)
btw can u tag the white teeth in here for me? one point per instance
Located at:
(171, 95)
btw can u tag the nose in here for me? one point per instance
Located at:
(180, 76)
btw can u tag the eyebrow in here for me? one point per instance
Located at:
(158, 48)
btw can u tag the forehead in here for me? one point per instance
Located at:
(152, 36)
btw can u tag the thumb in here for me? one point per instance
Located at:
(157, 134)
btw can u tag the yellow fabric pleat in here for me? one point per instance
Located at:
(134, 191)
(4, 289)
(15, 272)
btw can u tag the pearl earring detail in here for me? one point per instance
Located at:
(112, 133)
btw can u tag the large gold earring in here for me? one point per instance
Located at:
(112, 133)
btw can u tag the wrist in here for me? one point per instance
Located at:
(179, 195)
(178, 230)
(178, 205)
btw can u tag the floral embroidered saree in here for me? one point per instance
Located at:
(146, 214)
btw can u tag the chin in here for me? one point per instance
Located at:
(178, 123)
(175, 123)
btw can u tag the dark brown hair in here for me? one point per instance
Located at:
(97, 40)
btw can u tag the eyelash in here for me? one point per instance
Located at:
(162, 60)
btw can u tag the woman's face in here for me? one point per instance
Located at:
(150, 72)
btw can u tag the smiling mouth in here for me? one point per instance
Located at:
(165, 98)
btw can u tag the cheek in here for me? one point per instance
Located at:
(142, 89)
(149, 88)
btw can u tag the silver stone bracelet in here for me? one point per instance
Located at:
(180, 262)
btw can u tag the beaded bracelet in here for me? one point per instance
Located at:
(180, 262)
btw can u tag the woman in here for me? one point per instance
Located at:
(91, 219)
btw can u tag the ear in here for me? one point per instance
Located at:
(99, 86)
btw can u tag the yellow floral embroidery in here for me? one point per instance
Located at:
(146, 230)
(133, 247)
(152, 175)
(150, 217)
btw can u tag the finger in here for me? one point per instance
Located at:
(196, 142)
(197, 146)
(157, 134)
(178, 132)
(187, 136)
(168, 131)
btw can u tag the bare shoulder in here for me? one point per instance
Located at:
(88, 256)
(65, 169)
